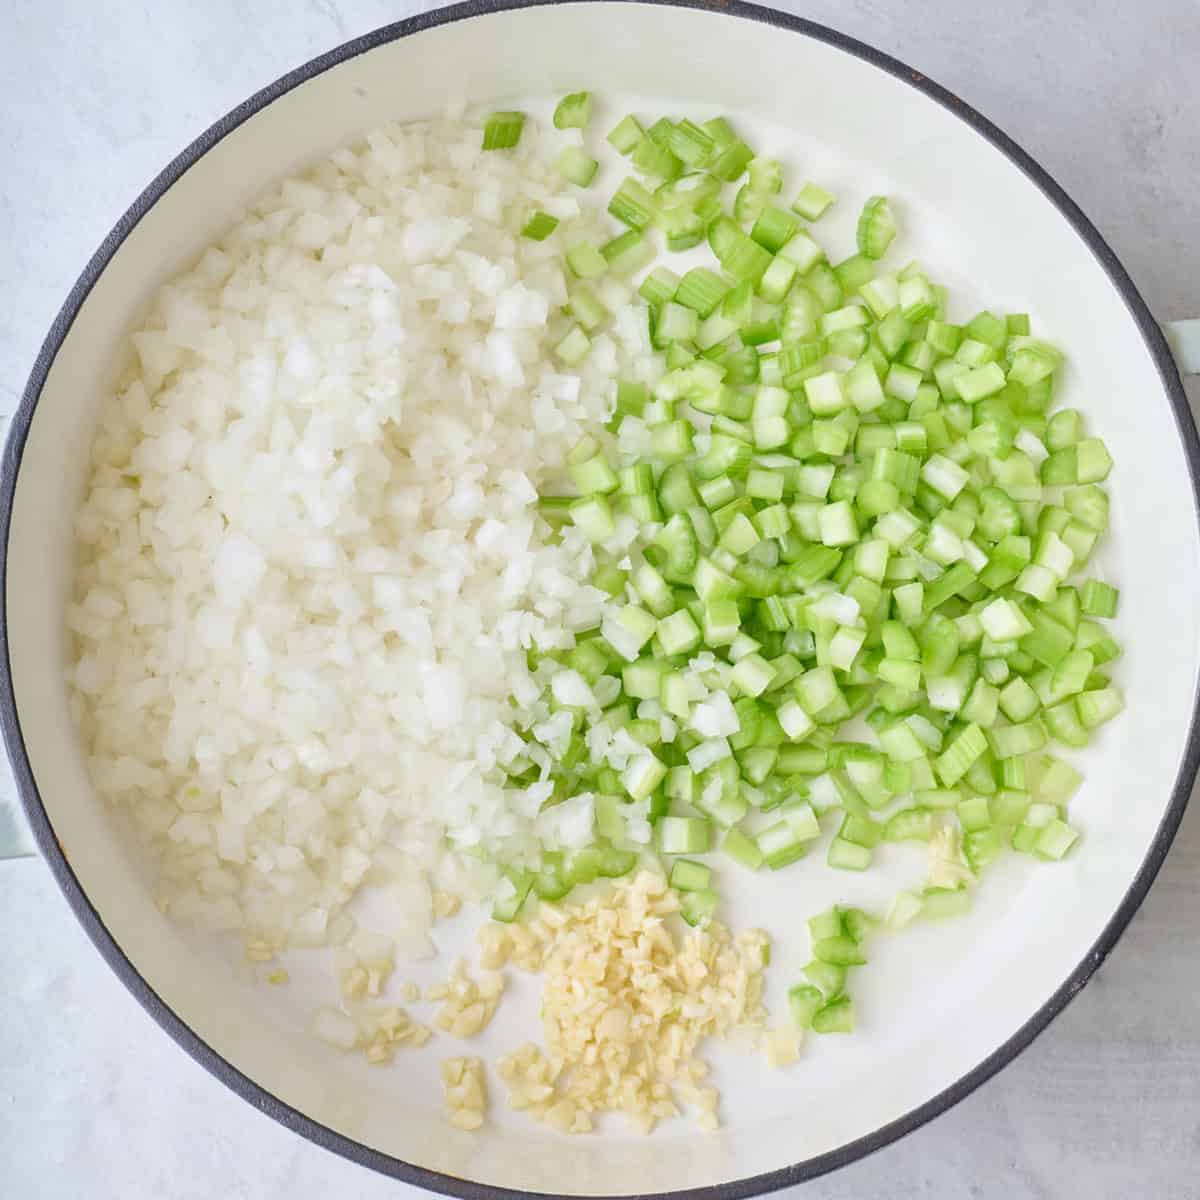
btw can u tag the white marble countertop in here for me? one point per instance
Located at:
(95, 1101)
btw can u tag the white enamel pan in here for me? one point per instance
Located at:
(943, 1007)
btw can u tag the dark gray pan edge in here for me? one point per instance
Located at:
(204, 1054)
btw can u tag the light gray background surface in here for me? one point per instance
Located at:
(95, 98)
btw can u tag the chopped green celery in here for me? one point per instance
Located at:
(539, 226)
(938, 798)
(1009, 741)
(1054, 840)
(900, 743)
(593, 516)
(721, 132)
(1088, 505)
(586, 307)
(631, 398)
(678, 632)
(748, 203)
(515, 886)
(766, 175)
(633, 205)
(628, 630)
(502, 130)
(848, 856)
(837, 523)
(574, 347)
(939, 903)
(594, 475)
(981, 847)
(583, 867)
(1099, 599)
(573, 111)
(690, 876)
(1050, 641)
(779, 846)
(805, 253)
(698, 908)
(948, 692)
(857, 923)
(642, 680)
(1012, 773)
(701, 290)
(982, 704)
(837, 1016)
(876, 227)
(918, 301)
(675, 324)
(1094, 708)
(659, 286)
(828, 978)
(1065, 428)
(774, 227)
(752, 675)
(935, 528)
(680, 784)
(741, 256)
(853, 272)
(1009, 806)
(819, 280)
(1070, 676)
(812, 202)
(691, 144)
(974, 813)
(839, 951)
(804, 1002)
(742, 849)
(550, 882)
(910, 825)
(828, 924)
(731, 163)
(1065, 607)
(576, 166)
(775, 283)
(1055, 781)
(1037, 818)
(1018, 701)
(610, 822)
(625, 135)
(683, 835)
(643, 774)
(861, 831)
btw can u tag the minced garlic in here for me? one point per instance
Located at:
(466, 1091)
(467, 1005)
(259, 950)
(365, 964)
(625, 1004)
(781, 1047)
(377, 1031)
(386, 1029)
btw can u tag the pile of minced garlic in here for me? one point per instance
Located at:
(625, 1005)
(626, 1002)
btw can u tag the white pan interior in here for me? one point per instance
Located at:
(936, 1000)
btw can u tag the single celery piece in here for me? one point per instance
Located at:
(573, 111)
(502, 130)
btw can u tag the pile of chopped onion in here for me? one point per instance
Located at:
(310, 566)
